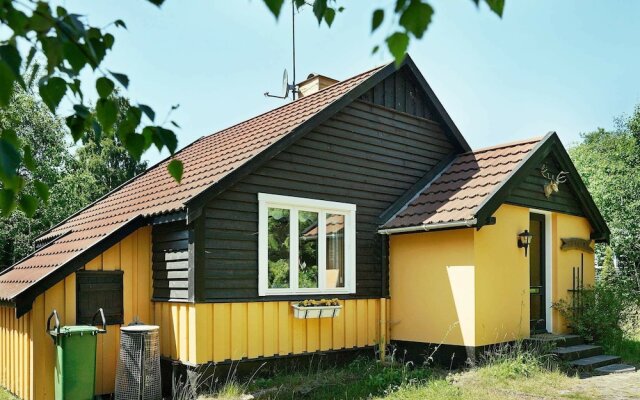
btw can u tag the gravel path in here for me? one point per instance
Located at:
(613, 387)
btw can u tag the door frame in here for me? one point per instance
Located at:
(548, 268)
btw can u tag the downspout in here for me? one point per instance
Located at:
(429, 227)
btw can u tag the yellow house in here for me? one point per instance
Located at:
(362, 190)
(461, 276)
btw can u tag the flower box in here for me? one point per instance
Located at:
(316, 309)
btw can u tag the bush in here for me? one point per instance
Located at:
(605, 311)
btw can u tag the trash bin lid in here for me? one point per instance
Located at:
(75, 330)
(139, 328)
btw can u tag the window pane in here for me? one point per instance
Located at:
(335, 250)
(278, 248)
(308, 250)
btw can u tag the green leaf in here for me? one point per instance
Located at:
(7, 201)
(319, 8)
(275, 6)
(165, 137)
(42, 190)
(148, 111)
(135, 144)
(329, 16)
(397, 44)
(108, 40)
(122, 78)
(52, 91)
(104, 86)
(42, 19)
(107, 112)
(28, 204)
(28, 159)
(174, 123)
(156, 2)
(497, 6)
(17, 21)
(9, 158)
(416, 18)
(82, 111)
(400, 5)
(74, 56)
(10, 62)
(76, 124)
(52, 48)
(97, 130)
(375, 49)
(120, 24)
(376, 19)
(175, 169)
(7, 78)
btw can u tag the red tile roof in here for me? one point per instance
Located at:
(154, 192)
(458, 192)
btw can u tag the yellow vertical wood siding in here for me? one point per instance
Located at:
(26, 350)
(15, 352)
(215, 332)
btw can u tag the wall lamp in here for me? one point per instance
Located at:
(524, 239)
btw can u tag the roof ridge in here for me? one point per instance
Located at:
(504, 145)
(301, 99)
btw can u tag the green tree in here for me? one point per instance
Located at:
(608, 162)
(74, 180)
(69, 45)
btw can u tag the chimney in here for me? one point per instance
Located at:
(314, 83)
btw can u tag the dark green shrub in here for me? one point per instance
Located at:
(604, 312)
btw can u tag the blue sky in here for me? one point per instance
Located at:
(568, 66)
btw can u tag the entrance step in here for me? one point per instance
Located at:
(591, 363)
(571, 353)
(615, 369)
(550, 340)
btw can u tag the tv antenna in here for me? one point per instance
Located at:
(286, 87)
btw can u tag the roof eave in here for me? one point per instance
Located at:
(469, 223)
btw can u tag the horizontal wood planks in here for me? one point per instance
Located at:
(171, 261)
(366, 155)
(530, 192)
(215, 332)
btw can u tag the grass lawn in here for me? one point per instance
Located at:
(513, 376)
(4, 395)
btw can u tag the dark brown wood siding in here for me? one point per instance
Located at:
(530, 192)
(366, 155)
(401, 92)
(170, 261)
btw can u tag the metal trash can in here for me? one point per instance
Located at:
(75, 370)
(138, 374)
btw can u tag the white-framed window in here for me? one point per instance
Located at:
(306, 246)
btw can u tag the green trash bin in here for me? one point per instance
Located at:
(75, 370)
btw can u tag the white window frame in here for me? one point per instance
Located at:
(322, 207)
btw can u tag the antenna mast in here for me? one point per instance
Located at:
(293, 35)
(285, 84)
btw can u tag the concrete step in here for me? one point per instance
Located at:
(551, 340)
(591, 363)
(571, 353)
(615, 369)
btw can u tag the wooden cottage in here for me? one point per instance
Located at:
(363, 190)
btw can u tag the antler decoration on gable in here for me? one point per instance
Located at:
(554, 181)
